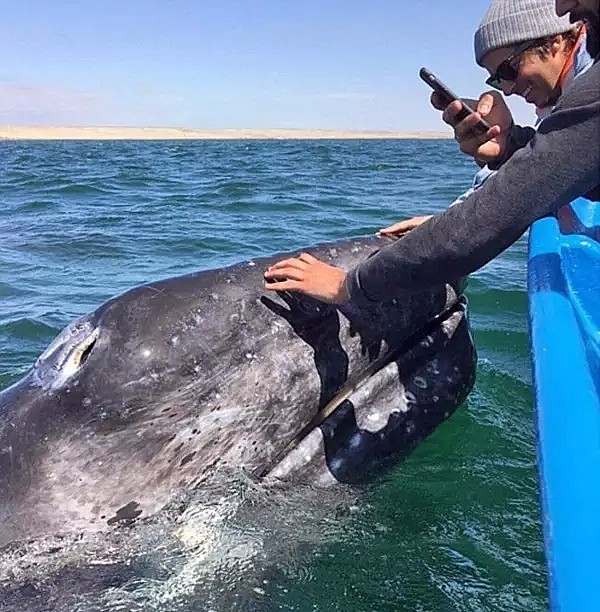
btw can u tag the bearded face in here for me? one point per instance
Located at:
(584, 10)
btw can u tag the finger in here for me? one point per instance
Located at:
(287, 285)
(392, 237)
(307, 258)
(285, 273)
(485, 104)
(472, 146)
(464, 128)
(288, 263)
(274, 277)
(437, 101)
(468, 128)
(494, 131)
(470, 102)
(392, 228)
(403, 229)
(392, 234)
(449, 114)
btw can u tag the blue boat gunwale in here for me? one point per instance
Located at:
(565, 365)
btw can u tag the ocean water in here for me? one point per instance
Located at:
(456, 526)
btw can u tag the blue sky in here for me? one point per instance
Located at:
(337, 64)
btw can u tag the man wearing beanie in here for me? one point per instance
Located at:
(554, 55)
(538, 173)
(510, 22)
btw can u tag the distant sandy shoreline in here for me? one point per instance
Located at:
(165, 133)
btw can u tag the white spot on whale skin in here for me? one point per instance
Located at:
(276, 327)
(250, 356)
(354, 441)
(420, 382)
(433, 367)
(251, 263)
(336, 464)
(174, 341)
(410, 401)
(376, 418)
(427, 341)
(447, 327)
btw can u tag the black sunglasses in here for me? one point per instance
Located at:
(508, 70)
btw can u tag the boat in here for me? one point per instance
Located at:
(564, 317)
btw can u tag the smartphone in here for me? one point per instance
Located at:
(449, 96)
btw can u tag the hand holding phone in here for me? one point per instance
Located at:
(449, 96)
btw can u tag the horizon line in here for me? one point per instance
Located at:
(108, 132)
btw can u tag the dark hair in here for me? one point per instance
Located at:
(541, 46)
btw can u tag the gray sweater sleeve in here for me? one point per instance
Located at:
(560, 163)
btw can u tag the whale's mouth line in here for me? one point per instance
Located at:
(349, 388)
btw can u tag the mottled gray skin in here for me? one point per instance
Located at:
(138, 401)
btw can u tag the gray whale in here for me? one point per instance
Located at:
(141, 399)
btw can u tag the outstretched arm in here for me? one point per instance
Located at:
(560, 162)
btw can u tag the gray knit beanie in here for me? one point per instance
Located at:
(510, 22)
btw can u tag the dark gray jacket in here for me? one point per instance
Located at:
(546, 170)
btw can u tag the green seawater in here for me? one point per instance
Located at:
(457, 525)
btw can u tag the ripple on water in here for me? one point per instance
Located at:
(28, 329)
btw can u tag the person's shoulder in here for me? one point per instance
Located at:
(584, 90)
